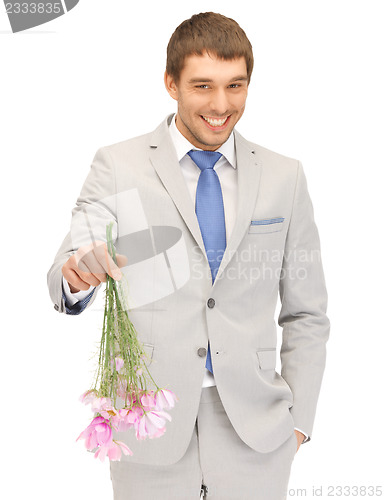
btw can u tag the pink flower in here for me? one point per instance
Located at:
(165, 399)
(99, 404)
(113, 451)
(88, 396)
(109, 413)
(128, 418)
(148, 400)
(119, 364)
(151, 424)
(122, 388)
(98, 433)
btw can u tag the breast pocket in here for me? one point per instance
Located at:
(260, 226)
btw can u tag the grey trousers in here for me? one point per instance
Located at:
(217, 462)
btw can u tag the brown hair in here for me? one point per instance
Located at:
(207, 32)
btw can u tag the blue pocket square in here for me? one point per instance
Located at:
(263, 222)
(272, 225)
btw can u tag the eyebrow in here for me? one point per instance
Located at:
(208, 80)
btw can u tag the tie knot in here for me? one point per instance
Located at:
(205, 159)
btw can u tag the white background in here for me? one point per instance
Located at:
(94, 77)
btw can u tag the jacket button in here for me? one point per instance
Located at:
(202, 352)
(211, 303)
(56, 307)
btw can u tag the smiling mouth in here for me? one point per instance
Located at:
(215, 122)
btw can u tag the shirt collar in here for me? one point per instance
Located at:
(182, 145)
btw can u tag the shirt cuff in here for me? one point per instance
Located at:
(305, 434)
(72, 298)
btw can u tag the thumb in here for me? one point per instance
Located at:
(121, 260)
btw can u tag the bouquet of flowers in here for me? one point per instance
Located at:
(122, 374)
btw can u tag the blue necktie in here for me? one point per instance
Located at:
(210, 214)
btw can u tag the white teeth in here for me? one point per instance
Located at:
(215, 122)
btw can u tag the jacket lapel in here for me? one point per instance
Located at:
(164, 160)
(248, 181)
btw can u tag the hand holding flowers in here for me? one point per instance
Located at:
(122, 376)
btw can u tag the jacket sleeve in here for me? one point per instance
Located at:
(303, 309)
(95, 209)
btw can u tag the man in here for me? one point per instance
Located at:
(243, 230)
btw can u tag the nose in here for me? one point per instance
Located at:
(219, 102)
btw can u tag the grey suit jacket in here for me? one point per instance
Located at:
(274, 248)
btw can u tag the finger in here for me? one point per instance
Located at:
(112, 269)
(122, 260)
(89, 263)
(106, 261)
(74, 279)
(86, 275)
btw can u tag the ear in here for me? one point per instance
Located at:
(171, 86)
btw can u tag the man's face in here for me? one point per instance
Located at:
(211, 95)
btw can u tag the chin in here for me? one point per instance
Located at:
(217, 139)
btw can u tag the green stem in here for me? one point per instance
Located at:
(119, 338)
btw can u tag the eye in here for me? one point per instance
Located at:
(234, 85)
(203, 86)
